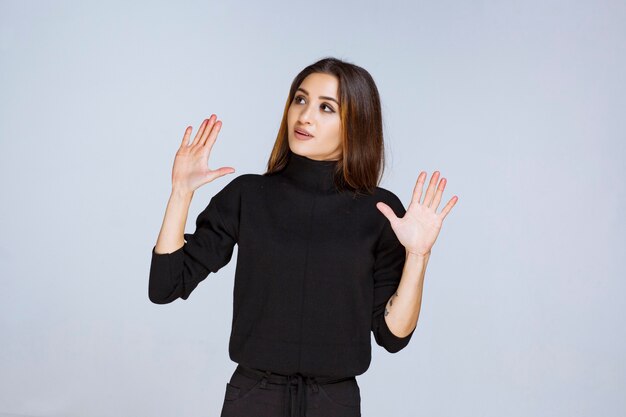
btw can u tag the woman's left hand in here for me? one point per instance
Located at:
(420, 226)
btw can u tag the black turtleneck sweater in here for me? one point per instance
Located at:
(315, 269)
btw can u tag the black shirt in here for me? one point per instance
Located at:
(315, 269)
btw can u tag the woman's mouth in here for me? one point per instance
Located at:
(301, 135)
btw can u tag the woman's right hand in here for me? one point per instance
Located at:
(191, 169)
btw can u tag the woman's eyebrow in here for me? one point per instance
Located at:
(324, 97)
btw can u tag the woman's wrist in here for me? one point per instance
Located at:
(419, 255)
(181, 194)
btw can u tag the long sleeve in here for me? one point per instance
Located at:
(388, 266)
(176, 274)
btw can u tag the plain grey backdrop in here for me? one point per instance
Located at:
(519, 104)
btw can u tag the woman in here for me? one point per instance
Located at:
(323, 260)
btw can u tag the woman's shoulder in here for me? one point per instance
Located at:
(387, 196)
(243, 180)
(390, 198)
(243, 184)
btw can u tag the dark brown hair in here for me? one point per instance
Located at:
(362, 163)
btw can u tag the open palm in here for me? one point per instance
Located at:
(420, 226)
(191, 169)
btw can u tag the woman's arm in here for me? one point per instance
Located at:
(171, 235)
(417, 230)
(179, 262)
(177, 273)
(403, 308)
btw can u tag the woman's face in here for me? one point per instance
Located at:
(315, 109)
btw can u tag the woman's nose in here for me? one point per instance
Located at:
(305, 116)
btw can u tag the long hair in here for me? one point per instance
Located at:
(361, 166)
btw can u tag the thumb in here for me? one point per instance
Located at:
(387, 211)
(225, 170)
(220, 172)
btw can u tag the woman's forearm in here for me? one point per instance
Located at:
(403, 308)
(171, 236)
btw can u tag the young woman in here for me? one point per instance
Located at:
(325, 256)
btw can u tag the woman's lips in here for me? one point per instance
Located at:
(302, 136)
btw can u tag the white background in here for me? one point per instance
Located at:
(520, 104)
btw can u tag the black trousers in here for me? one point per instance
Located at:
(257, 393)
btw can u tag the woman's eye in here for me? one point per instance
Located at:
(323, 105)
(329, 108)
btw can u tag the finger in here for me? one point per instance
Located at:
(417, 189)
(225, 170)
(387, 211)
(213, 133)
(448, 207)
(430, 191)
(201, 130)
(186, 136)
(220, 172)
(208, 130)
(437, 199)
